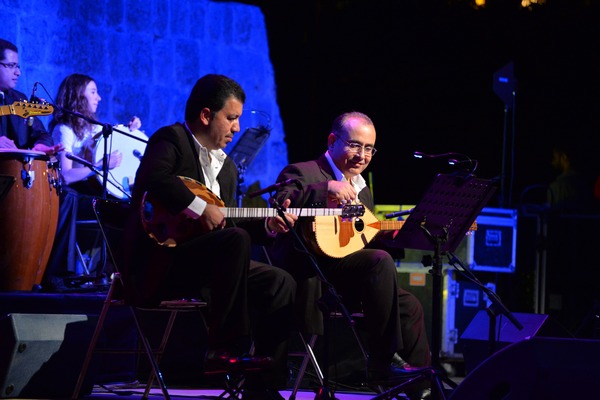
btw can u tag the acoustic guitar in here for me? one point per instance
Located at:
(25, 109)
(338, 236)
(167, 229)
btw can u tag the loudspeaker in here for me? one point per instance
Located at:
(536, 368)
(476, 337)
(41, 354)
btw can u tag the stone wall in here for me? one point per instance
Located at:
(145, 57)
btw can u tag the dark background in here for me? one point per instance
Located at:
(424, 71)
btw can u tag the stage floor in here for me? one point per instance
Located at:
(56, 329)
(204, 393)
(191, 393)
(75, 314)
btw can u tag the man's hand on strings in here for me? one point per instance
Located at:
(212, 218)
(340, 192)
(277, 224)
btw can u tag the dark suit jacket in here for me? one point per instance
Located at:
(170, 152)
(25, 136)
(311, 193)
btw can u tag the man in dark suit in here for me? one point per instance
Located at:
(213, 262)
(17, 132)
(365, 278)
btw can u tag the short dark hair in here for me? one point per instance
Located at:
(212, 91)
(340, 124)
(6, 45)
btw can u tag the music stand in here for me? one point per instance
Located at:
(439, 223)
(245, 150)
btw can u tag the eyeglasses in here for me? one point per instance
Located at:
(357, 148)
(11, 65)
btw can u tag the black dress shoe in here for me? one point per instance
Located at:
(224, 361)
(423, 394)
(399, 362)
(261, 394)
(392, 374)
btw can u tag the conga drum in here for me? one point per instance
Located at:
(121, 179)
(28, 217)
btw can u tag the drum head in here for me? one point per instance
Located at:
(121, 179)
(19, 154)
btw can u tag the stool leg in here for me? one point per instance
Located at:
(94, 340)
(161, 349)
(148, 349)
(83, 263)
(308, 356)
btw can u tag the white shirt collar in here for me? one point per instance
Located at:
(219, 154)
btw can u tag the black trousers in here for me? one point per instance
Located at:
(73, 206)
(394, 317)
(246, 298)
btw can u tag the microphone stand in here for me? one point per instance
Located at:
(239, 192)
(107, 130)
(327, 302)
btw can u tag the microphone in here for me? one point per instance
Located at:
(80, 160)
(456, 161)
(33, 99)
(418, 154)
(137, 154)
(276, 186)
(398, 213)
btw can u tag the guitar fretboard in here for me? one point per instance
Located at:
(234, 212)
(5, 110)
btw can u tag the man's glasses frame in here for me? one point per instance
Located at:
(357, 148)
(12, 66)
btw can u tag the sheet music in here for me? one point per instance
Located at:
(449, 206)
(245, 150)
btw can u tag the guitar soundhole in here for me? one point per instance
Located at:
(359, 224)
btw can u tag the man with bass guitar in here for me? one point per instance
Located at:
(20, 130)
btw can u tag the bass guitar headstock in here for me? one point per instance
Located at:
(25, 109)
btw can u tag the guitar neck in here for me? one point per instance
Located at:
(386, 225)
(395, 224)
(4, 110)
(262, 212)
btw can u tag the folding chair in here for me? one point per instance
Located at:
(307, 355)
(117, 211)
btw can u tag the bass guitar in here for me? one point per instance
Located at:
(167, 229)
(25, 109)
(338, 236)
